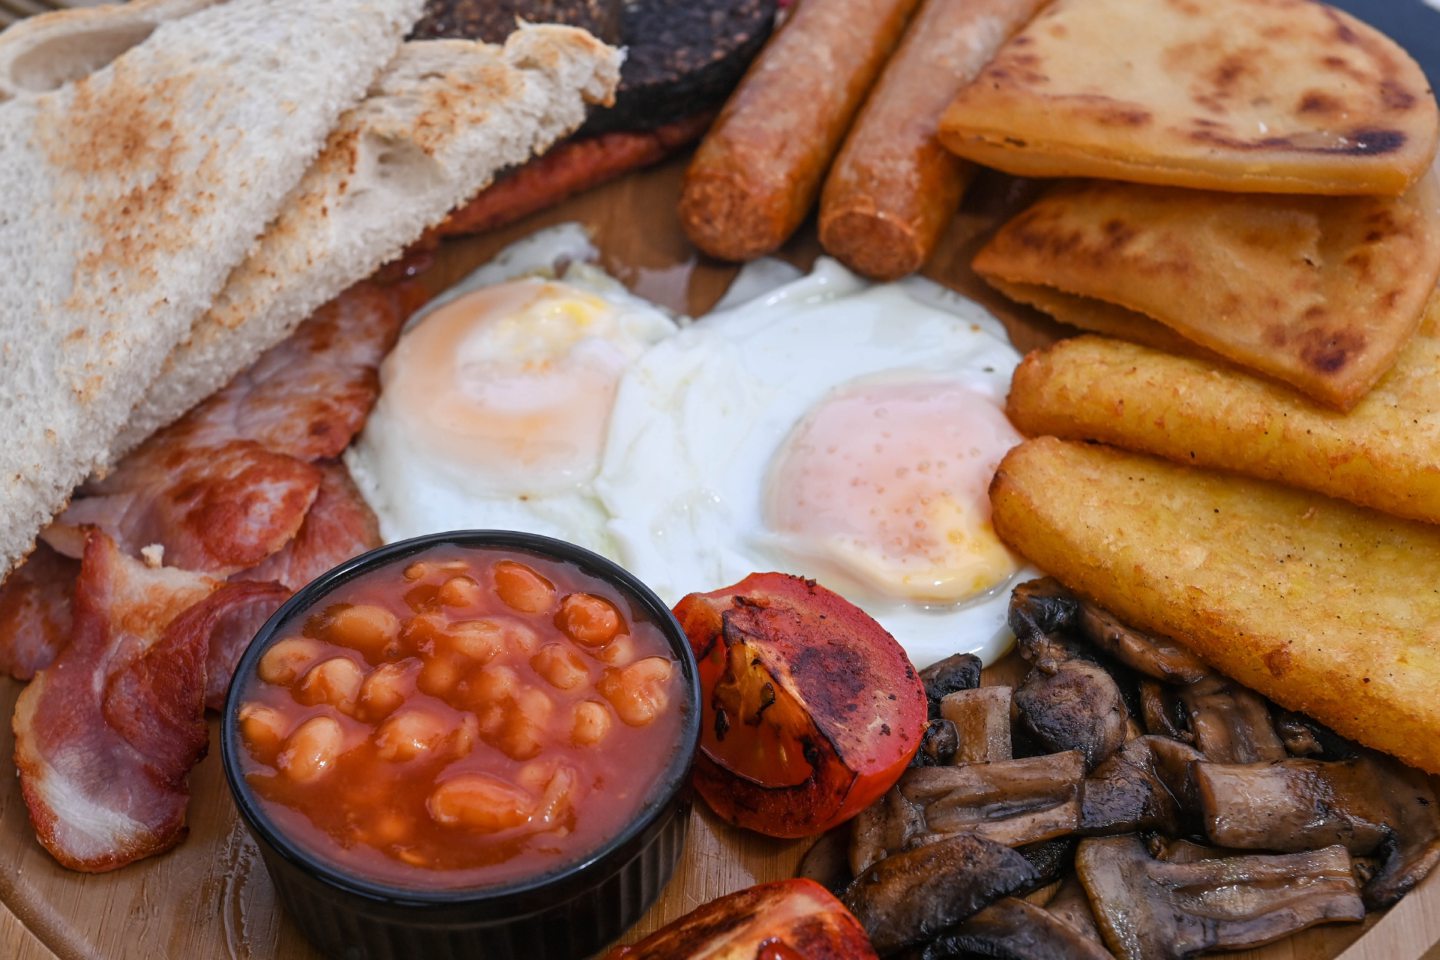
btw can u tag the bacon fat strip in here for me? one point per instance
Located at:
(894, 188)
(105, 736)
(758, 171)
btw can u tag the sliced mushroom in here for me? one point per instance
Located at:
(1298, 738)
(1073, 705)
(1071, 906)
(1157, 657)
(1231, 723)
(1291, 805)
(886, 826)
(911, 897)
(1365, 804)
(1012, 929)
(1415, 848)
(1050, 858)
(1151, 910)
(958, 672)
(982, 723)
(1144, 786)
(1040, 608)
(1161, 712)
(827, 862)
(1013, 802)
(1304, 737)
(937, 745)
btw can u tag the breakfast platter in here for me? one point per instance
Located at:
(1051, 382)
(211, 897)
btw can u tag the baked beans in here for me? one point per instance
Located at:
(465, 718)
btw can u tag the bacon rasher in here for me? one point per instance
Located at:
(106, 735)
(230, 483)
(339, 526)
(245, 486)
(226, 490)
(35, 611)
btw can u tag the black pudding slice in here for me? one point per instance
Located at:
(493, 20)
(684, 56)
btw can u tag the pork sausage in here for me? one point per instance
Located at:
(758, 171)
(893, 187)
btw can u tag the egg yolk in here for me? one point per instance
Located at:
(887, 485)
(512, 383)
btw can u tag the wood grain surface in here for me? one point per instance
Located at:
(211, 896)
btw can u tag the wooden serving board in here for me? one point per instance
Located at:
(211, 896)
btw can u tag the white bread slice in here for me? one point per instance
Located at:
(438, 124)
(43, 53)
(132, 190)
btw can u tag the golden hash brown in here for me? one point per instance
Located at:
(1324, 607)
(1385, 453)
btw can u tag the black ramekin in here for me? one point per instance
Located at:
(567, 913)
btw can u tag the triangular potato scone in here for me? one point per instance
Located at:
(1324, 607)
(1280, 96)
(1097, 316)
(1385, 453)
(1318, 292)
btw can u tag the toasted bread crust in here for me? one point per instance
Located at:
(437, 126)
(137, 177)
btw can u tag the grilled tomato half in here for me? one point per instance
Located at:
(786, 920)
(811, 709)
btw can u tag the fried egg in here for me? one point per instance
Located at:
(817, 425)
(830, 428)
(495, 403)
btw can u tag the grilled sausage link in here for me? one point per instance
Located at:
(758, 172)
(893, 187)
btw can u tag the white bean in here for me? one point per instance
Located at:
(312, 750)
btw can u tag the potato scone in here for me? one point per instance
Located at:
(1385, 453)
(1318, 292)
(1324, 607)
(1097, 316)
(1282, 96)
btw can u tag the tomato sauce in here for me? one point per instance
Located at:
(470, 717)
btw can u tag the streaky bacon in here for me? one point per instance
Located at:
(310, 395)
(232, 616)
(105, 736)
(339, 526)
(35, 611)
(230, 483)
(107, 732)
(215, 509)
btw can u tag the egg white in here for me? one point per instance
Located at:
(677, 493)
(420, 478)
(700, 416)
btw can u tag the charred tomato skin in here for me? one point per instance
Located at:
(784, 920)
(811, 710)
